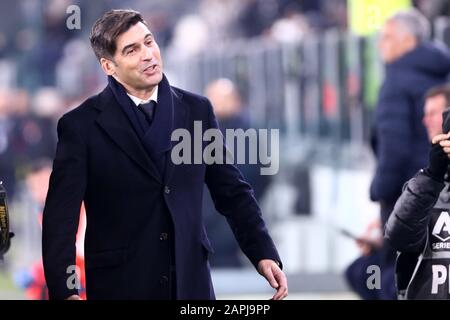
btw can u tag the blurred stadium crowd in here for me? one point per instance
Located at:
(47, 68)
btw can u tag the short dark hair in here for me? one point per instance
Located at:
(109, 27)
(443, 89)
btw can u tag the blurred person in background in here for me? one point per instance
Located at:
(32, 278)
(32, 135)
(229, 110)
(370, 243)
(256, 17)
(48, 104)
(231, 113)
(220, 17)
(419, 224)
(7, 169)
(145, 238)
(412, 66)
(44, 40)
(183, 47)
(437, 99)
(290, 28)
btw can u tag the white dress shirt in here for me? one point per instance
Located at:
(137, 101)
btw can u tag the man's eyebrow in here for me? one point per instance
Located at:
(127, 47)
(148, 35)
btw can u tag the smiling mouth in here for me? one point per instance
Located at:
(150, 68)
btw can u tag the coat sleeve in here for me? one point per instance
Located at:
(406, 229)
(234, 198)
(394, 135)
(62, 210)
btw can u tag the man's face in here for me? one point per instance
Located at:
(434, 106)
(137, 60)
(394, 42)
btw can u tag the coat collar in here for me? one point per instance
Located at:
(170, 114)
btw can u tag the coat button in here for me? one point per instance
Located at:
(164, 280)
(166, 189)
(163, 236)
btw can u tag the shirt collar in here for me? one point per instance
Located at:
(137, 101)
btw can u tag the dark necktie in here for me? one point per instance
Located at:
(148, 109)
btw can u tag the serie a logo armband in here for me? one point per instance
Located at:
(5, 234)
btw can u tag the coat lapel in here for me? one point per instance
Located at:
(118, 127)
(180, 116)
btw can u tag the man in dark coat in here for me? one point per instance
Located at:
(145, 238)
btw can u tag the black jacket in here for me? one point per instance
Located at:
(418, 229)
(101, 161)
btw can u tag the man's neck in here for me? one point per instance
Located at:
(143, 94)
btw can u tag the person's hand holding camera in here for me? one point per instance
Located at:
(439, 157)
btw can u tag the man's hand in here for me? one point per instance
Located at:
(442, 139)
(371, 238)
(270, 270)
(74, 297)
(439, 156)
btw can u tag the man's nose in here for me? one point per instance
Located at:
(147, 53)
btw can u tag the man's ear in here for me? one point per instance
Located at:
(108, 66)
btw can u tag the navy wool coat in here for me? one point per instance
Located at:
(135, 214)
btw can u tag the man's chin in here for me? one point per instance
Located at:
(153, 80)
